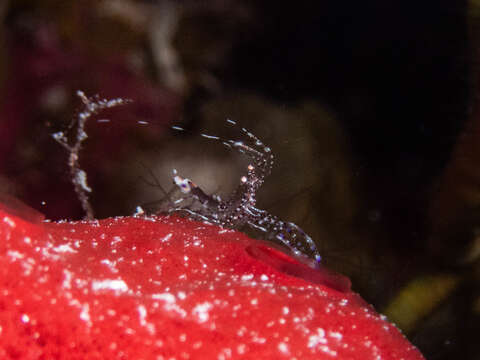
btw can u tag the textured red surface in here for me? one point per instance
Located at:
(170, 288)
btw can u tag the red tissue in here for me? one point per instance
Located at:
(171, 288)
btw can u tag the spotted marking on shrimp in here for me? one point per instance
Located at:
(239, 209)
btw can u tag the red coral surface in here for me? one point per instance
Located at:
(171, 288)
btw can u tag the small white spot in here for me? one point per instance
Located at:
(142, 312)
(329, 351)
(259, 340)
(115, 241)
(283, 348)
(166, 238)
(67, 281)
(247, 277)
(335, 335)
(110, 264)
(15, 255)
(9, 222)
(25, 319)
(225, 353)
(201, 311)
(108, 284)
(169, 298)
(65, 248)
(241, 349)
(85, 313)
(317, 339)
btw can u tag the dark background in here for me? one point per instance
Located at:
(369, 107)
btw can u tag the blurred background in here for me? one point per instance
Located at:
(370, 107)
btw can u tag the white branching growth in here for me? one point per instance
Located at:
(79, 177)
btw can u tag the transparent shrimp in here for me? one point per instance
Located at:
(239, 209)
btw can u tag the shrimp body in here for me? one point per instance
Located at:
(240, 209)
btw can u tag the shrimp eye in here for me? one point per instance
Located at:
(184, 184)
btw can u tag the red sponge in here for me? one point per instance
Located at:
(171, 288)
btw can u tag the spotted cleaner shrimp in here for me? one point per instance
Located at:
(235, 212)
(240, 207)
